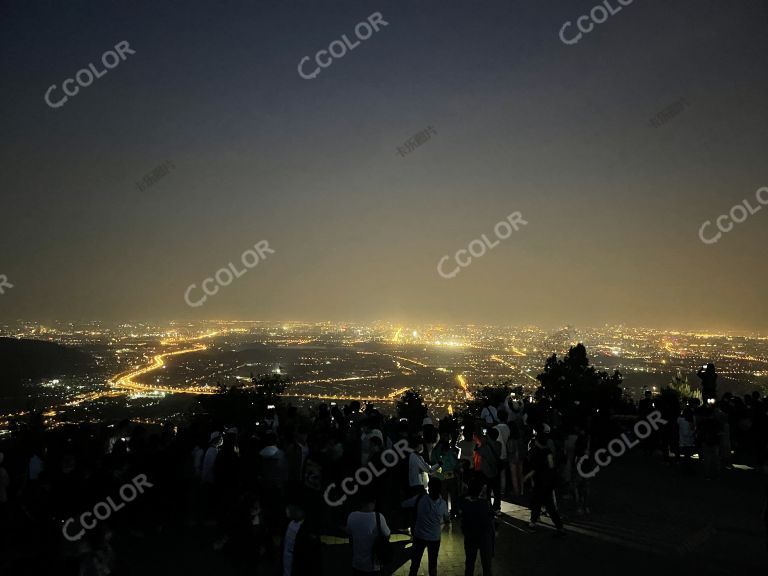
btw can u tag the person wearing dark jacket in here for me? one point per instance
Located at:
(544, 481)
(477, 525)
(489, 451)
(708, 379)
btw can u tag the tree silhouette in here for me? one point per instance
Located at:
(573, 378)
(680, 385)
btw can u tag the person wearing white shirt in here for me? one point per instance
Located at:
(489, 414)
(431, 514)
(504, 439)
(363, 532)
(418, 469)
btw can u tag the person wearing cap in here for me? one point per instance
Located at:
(544, 480)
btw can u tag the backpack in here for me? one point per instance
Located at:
(382, 547)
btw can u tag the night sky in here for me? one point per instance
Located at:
(522, 122)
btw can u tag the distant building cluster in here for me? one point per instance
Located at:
(151, 371)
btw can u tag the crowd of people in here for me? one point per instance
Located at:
(265, 492)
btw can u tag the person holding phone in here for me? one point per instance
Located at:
(708, 379)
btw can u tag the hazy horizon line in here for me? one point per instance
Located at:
(682, 330)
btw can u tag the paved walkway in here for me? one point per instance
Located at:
(648, 519)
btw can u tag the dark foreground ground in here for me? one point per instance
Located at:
(647, 518)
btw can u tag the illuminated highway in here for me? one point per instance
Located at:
(127, 381)
(392, 397)
(463, 384)
(509, 365)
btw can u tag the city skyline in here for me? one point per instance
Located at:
(699, 330)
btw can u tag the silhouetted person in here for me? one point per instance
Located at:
(478, 528)
(5, 482)
(686, 438)
(708, 382)
(300, 548)
(448, 473)
(489, 451)
(645, 406)
(515, 455)
(503, 439)
(544, 481)
(765, 515)
(708, 429)
(295, 456)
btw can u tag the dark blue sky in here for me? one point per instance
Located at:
(523, 123)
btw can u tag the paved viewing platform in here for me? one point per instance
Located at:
(647, 518)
